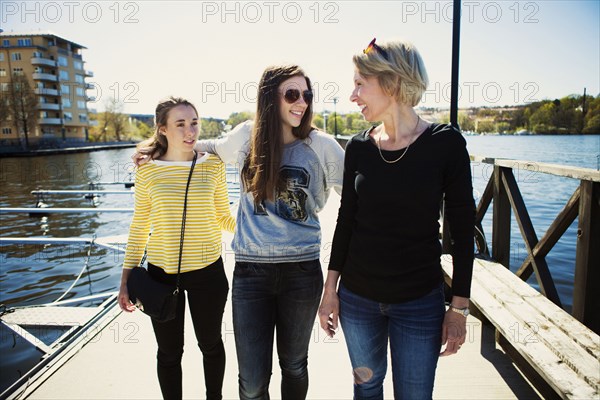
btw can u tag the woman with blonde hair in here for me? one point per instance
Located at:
(385, 247)
(160, 193)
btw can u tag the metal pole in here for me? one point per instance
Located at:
(455, 54)
(335, 133)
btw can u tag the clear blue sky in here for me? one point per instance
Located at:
(214, 52)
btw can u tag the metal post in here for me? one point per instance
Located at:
(455, 54)
(335, 132)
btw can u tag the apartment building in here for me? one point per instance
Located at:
(55, 69)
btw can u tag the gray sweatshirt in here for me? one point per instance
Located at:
(286, 229)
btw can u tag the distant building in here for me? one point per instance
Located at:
(55, 69)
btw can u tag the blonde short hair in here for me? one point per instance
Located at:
(400, 70)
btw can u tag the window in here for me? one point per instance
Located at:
(23, 42)
(3, 87)
(63, 75)
(68, 116)
(18, 71)
(66, 102)
(6, 42)
(83, 118)
(62, 61)
(78, 78)
(81, 104)
(38, 54)
(2, 72)
(80, 91)
(77, 64)
(65, 89)
(6, 131)
(16, 56)
(1, 56)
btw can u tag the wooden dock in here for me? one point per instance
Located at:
(119, 362)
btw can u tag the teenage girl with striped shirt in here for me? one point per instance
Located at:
(159, 195)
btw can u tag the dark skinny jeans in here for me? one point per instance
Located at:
(207, 290)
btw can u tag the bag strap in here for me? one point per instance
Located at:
(187, 187)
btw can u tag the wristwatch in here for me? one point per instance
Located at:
(462, 311)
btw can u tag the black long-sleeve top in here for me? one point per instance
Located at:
(386, 242)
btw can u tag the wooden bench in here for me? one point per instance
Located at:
(553, 345)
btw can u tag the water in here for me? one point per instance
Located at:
(36, 274)
(544, 195)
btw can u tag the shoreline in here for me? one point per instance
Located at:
(65, 150)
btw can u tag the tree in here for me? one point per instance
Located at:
(237, 118)
(318, 121)
(210, 128)
(4, 108)
(115, 118)
(23, 106)
(465, 122)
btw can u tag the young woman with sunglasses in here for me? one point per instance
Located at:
(159, 200)
(386, 247)
(287, 169)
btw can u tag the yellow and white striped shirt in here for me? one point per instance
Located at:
(159, 197)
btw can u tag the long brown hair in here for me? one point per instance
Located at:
(261, 168)
(156, 146)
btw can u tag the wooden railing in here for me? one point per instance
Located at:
(503, 192)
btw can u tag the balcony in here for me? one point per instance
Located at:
(43, 61)
(89, 74)
(39, 76)
(92, 111)
(48, 106)
(46, 92)
(90, 86)
(90, 99)
(50, 121)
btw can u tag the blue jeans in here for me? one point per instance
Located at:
(414, 331)
(265, 297)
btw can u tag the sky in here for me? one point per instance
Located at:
(214, 52)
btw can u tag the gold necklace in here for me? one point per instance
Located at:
(405, 150)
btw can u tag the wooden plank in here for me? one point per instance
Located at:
(542, 358)
(555, 231)
(539, 327)
(537, 354)
(540, 266)
(586, 298)
(586, 174)
(578, 332)
(538, 381)
(500, 221)
(486, 199)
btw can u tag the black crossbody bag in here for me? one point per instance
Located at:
(157, 299)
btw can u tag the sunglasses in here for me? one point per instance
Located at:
(293, 95)
(372, 46)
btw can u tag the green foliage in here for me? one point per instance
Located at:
(239, 117)
(210, 128)
(318, 121)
